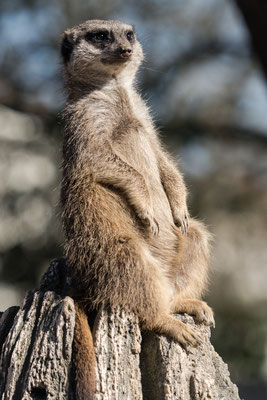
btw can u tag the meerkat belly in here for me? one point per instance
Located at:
(140, 155)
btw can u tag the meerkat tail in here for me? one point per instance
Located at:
(83, 357)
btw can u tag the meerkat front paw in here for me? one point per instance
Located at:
(149, 221)
(181, 218)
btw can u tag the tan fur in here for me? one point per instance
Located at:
(129, 239)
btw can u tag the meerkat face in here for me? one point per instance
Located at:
(100, 47)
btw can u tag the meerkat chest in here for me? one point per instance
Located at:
(135, 148)
(133, 137)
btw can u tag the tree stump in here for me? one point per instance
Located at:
(36, 353)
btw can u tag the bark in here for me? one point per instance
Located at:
(169, 372)
(117, 340)
(36, 353)
(35, 360)
(254, 13)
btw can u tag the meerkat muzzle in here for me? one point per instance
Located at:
(125, 53)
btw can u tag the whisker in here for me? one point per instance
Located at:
(154, 70)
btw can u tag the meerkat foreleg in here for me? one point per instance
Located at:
(111, 170)
(174, 186)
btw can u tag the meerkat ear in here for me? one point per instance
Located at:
(67, 45)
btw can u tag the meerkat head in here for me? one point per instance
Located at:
(97, 50)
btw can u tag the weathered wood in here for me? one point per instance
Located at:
(117, 340)
(35, 361)
(6, 322)
(169, 372)
(36, 356)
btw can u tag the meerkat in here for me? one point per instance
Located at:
(129, 239)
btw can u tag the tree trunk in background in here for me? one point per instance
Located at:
(255, 16)
(36, 355)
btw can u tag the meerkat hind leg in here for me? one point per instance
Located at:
(177, 330)
(200, 310)
(194, 258)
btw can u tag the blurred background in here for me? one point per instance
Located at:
(205, 80)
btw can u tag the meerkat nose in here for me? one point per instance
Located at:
(125, 52)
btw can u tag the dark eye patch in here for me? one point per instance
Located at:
(130, 36)
(97, 36)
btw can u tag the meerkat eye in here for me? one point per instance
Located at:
(100, 36)
(130, 35)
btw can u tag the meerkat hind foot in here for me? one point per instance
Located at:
(199, 309)
(178, 331)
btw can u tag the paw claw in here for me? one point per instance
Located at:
(150, 222)
(181, 221)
